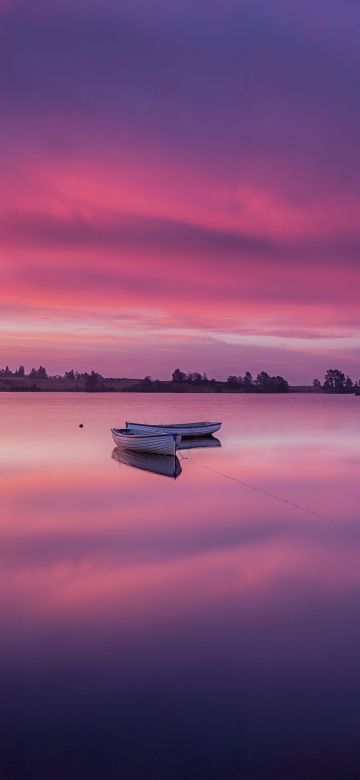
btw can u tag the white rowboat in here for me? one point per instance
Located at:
(160, 442)
(187, 430)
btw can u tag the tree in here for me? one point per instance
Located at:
(271, 384)
(334, 381)
(317, 384)
(349, 384)
(278, 384)
(178, 376)
(33, 373)
(20, 371)
(70, 375)
(248, 381)
(263, 380)
(194, 376)
(232, 381)
(147, 381)
(7, 372)
(42, 373)
(92, 382)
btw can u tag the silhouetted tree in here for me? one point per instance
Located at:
(70, 375)
(317, 384)
(263, 380)
(278, 384)
(93, 382)
(20, 371)
(248, 381)
(33, 373)
(42, 373)
(334, 381)
(178, 376)
(232, 381)
(194, 377)
(271, 384)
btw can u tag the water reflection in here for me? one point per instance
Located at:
(203, 442)
(193, 628)
(163, 465)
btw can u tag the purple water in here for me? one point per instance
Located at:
(203, 627)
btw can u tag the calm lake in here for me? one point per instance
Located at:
(200, 627)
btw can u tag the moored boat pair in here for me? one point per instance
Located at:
(163, 439)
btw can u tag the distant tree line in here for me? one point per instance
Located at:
(5, 372)
(93, 380)
(192, 377)
(335, 381)
(35, 373)
(263, 383)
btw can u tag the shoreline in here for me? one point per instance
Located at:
(124, 385)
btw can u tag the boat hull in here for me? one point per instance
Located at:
(161, 443)
(185, 430)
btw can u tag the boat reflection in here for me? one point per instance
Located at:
(194, 444)
(164, 465)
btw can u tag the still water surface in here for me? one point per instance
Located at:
(204, 627)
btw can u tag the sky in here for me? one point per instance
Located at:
(180, 186)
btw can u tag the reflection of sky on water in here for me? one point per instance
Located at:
(197, 627)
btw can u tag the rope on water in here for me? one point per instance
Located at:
(260, 490)
(267, 493)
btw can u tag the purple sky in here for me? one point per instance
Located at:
(180, 186)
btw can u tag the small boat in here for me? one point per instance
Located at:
(187, 430)
(202, 442)
(160, 442)
(163, 465)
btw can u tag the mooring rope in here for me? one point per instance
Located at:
(267, 493)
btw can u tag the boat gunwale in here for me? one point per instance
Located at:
(173, 425)
(140, 434)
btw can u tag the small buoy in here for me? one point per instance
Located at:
(81, 425)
